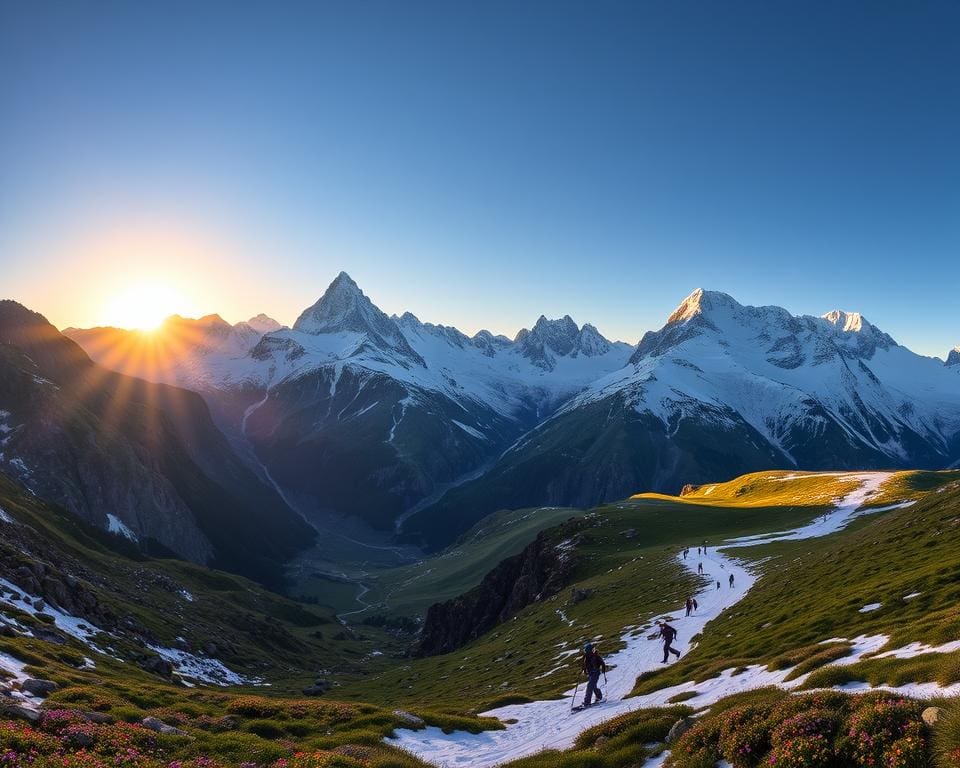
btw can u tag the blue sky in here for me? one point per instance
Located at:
(482, 163)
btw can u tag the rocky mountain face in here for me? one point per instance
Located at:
(720, 390)
(540, 571)
(136, 457)
(953, 359)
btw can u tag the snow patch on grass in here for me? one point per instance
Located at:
(202, 669)
(869, 607)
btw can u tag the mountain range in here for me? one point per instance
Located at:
(421, 429)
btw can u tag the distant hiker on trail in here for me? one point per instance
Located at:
(704, 546)
(685, 553)
(698, 552)
(695, 606)
(593, 666)
(668, 634)
(731, 581)
(699, 567)
(718, 585)
(689, 606)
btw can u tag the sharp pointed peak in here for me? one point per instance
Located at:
(699, 302)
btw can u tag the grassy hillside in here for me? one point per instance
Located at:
(410, 590)
(904, 559)
(626, 559)
(45, 550)
(625, 563)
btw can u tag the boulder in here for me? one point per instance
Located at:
(11, 711)
(932, 715)
(100, 718)
(79, 739)
(409, 719)
(578, 595)
(157, 665)
(156, 724)
(679, 728)
(319, 687)
(37, 687)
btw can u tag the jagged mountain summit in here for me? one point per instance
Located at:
(953, 359)
(722, 389)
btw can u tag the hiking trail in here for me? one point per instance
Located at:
(550, 724)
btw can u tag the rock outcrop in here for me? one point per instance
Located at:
(539, 572)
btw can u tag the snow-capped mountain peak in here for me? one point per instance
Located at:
(704, 303)
(954, 357)
(848, 321)
(262, 324)
(550, 339)
(344, 308)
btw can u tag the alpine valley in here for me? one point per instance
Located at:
(371, 542)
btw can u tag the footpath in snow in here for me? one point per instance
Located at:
(551, 725)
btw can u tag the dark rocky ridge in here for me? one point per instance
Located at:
(539, 572)
(98, 442)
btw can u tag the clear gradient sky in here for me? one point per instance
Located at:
(481, 163)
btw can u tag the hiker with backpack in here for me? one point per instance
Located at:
(731, 581)
(689, 605)
(669, 634)
(592, 666)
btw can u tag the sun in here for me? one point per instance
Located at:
(142, 306)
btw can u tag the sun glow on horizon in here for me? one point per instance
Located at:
(143, 306)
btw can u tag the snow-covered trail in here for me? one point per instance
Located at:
(551, 725)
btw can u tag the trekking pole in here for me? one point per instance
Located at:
(573, 701)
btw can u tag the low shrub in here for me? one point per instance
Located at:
(821, 730)
(745, 736)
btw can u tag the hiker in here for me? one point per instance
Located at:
(698, 551)
(689, 606)
(700, 567)
(695, 606)
(731, 581)
(685, 553)
(718, 585)
(668, 634)
(593, 665)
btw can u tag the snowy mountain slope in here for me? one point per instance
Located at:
(179, 352)
(720, 390)
(355, 412)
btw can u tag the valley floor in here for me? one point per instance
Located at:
(551, 724)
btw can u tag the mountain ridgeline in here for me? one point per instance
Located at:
(420, 429)
(139, 458)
